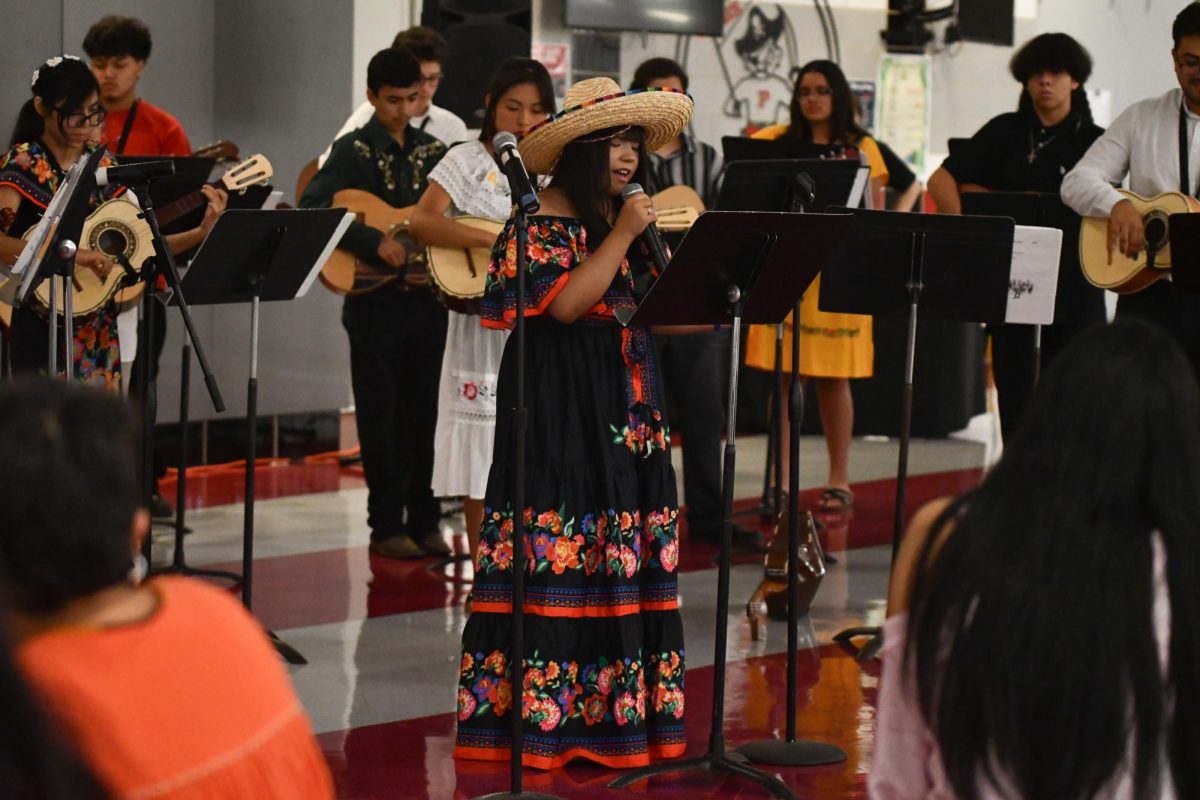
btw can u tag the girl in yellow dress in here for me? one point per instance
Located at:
(833, 347)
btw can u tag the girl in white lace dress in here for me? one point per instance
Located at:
(467, 182)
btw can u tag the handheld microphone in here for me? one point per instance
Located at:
(505, 146)
(134, 174)
(650, 237)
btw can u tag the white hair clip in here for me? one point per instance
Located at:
(50, 64)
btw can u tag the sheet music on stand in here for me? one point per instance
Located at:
(1033, 277)
(42, 234)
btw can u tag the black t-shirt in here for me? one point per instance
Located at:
(1014, 152)
(900, 177)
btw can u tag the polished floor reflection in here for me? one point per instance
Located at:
(382, 636)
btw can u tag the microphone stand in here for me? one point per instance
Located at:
(163, 264)
(516, 655)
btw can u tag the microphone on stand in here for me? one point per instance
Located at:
(650, 237)
(505, 146)
(134, 174)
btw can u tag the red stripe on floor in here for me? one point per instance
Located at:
(836, 698)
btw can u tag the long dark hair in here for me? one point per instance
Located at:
(1053, 52)
(513, 71)
(1032, 626)
(582, 175)
(66, 87)
(35, 761)
(59, 437)
(842, 127)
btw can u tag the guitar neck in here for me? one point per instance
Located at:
(169, 212)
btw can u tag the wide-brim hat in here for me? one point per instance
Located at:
(598, 104)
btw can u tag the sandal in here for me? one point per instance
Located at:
(834, 499)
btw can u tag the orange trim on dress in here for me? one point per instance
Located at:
(587, 612)
(542, 762)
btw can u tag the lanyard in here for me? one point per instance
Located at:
(128, 127)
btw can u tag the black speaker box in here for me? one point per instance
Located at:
(480, 34)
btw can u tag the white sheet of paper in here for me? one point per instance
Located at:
(1033, 277)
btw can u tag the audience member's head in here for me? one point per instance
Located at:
(430, 50)
(71, 519)
(1031, 622)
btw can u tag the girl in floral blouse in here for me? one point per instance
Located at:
(604, 658)
(54, 129)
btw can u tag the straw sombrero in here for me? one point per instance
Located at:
(598, 103)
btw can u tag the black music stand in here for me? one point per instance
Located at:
(1044, 210)
(253, 256)
(179, 565)
(843, 180)
(949, 267)
(769, 181)
(1184, 236)
(734, 266)
(50, 255)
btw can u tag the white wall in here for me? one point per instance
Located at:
(1129, 40)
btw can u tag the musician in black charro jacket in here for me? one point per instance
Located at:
(396, 332)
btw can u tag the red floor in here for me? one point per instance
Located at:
(411, 759)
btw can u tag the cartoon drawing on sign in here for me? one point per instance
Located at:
(766, 47)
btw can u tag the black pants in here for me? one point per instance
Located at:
(1176, 312)
(396, 343)
(694, 368)
(1012, 364)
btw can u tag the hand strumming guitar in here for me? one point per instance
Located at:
(391, 252)
(1126, 231)
(96, 261)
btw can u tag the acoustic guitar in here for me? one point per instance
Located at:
(1127, 275)
(346, 273)
(459, 274)
(116, 229)
(676, 208)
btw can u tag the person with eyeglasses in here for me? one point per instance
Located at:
(118, 48)
(54, 129)
(430, 49)
(1153, 142)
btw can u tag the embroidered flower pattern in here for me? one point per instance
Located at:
(555, 693)
(610, 542)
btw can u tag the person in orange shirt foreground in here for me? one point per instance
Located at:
(168, 689)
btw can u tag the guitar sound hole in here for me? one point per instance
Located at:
(112, 242)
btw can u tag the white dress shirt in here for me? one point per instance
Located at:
(443, 125)
(1143, 143)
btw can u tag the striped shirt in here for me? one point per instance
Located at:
(695, 164)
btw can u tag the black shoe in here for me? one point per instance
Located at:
(159, 508)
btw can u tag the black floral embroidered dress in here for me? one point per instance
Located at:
(604, 657)
(31, 170)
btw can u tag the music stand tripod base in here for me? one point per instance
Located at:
(733, 763)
